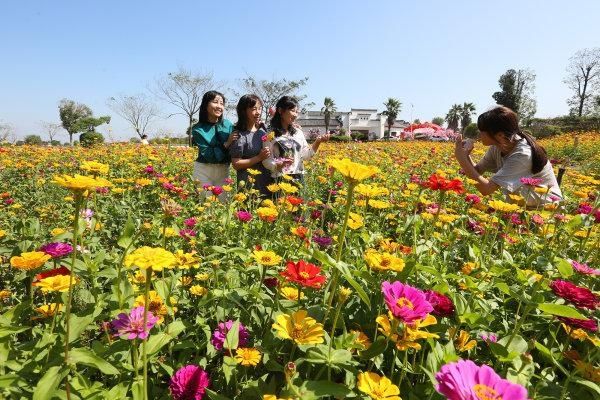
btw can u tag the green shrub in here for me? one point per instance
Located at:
(545, 131)
(88, 139)
(340, 138)
(471, 131)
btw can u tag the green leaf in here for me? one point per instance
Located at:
(47, 385)
(215, 396)
(560, 310)
(126, 237)
(233, 337)
(377, 348)
(11, 330)
(326, 388)
(87, 357)
(229, 365)
(137, 389)
(574, 223)
(564, 267)
(159, 340)
(343, 268)
(10, 380)
(78, 325)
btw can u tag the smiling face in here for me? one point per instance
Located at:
(288, 116)
(488, 139)
(253, 114)
(215, 108)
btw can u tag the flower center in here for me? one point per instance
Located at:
(404, 302)
(304, 275)
(484, 392)
(266, 259)
(298, 331)
(385, 262)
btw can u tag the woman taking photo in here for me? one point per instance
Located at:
(519, 163)
(248, 150)
(212, 135)
(289, 148)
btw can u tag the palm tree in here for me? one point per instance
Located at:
(327, 111)
(453, 117)
(393, 107)
(467, 110)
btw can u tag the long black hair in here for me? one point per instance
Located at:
(503, 119)
(246, 101)
(283, 104)
(207, 98)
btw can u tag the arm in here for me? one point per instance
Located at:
(318, 141)
(484, 185)
(269, 163)
(241, 163)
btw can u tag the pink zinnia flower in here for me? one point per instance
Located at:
(228, 181)
(465, 380)
(442, 305)
(187, 233)
(217, 190)
(406, 303)
(220, 334)
(131, 326)
(189, 383)
(584, 208)
(473, 199)
(243, 216)
(488, 337)
(57, 249)
(587, 324)
(190, 222)
(537, 219)
(584, 268)
(531, 181)
(580, 296)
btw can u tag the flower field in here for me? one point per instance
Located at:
(384, 277)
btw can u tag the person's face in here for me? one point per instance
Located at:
(253, 113)
(215, 108)
(289, 116)
(487, 139)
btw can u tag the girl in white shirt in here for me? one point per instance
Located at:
(288, 148)
(518, 162)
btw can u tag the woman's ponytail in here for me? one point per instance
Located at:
(539, 158)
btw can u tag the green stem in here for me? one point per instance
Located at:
(144, 349)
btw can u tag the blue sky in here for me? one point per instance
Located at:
(430, 54)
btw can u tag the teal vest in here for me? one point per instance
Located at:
(210, 139)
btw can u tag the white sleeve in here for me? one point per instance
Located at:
(515, 167)
(306, 151)
(487, 163)
(269, 163)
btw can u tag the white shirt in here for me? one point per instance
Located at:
(293, 147)
(509, 169)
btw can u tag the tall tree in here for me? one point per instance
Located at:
(271, 91)
(454, 116)
(138, 110)
(437, 120)
(466, 111)
(392, 109)
(89, 124)
(517, 92)
(184, 90)
(583, 78)
(51, 129)
(70, 113)
(327, 111)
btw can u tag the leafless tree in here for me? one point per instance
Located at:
(184, 90)
(583, 78)
(5, 131)
(138, 110)
(51, 129)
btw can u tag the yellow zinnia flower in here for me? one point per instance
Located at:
(80, 183)
(29, 260)
(155, 258)
(287, 187)
(355, 221)
(267, 213)
(383, 261)
(377, 387)
(247, 356)
(299, 327)
(353, 172)
(48, 310)
(95, 167)
(371, 190)
(187, 260)
(2, 233)
(267, 258)
(291, 293)
(198, 290)
(499, 205)
(57, 283)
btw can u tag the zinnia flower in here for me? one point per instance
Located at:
(353, 172)
(299, 327)
(151, 257)
(267, 258)
(580, 296)
(62, 270)
(56, 283)
(442, 305)
(465, 380)
(220, 335)
(587, 324)
(383, 261)
(377, 387)
(247, 356)
(131, 326)
(189, 383)
(406, 303)
(304, 273)
(80, 183)
(57, 249)
(29, 260)
(584, 268)
(268, 214)
(243, 216)
(438, 182)
(322, 241)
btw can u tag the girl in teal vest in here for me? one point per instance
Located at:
(212, 135)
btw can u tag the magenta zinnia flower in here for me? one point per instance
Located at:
(442, 305)
(465, 380)
(220, 334)
(531, 181)
(131, 326)
(580, 296)
(584, 268)
(243, 216)
(406, 303)
(587, 324)
(57, 249)
(189, 383)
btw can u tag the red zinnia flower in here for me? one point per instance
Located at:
(437, 182)
(442, 305)
(580, 296)
(295, 201)
(53, 272)
(587, 324)
(304, 273)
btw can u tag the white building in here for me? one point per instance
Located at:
(358, 120)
